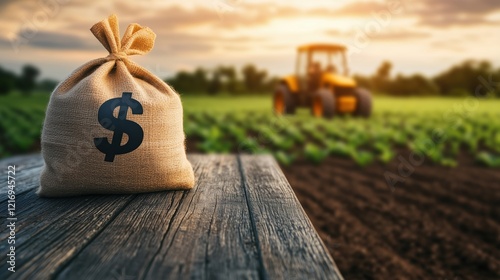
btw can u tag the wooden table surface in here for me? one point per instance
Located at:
(241, 221)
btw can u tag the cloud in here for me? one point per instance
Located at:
(61, 41)
(448, 45)
(383, 35)
(358, 9)
(5, 43)
(176, 17)
(462, 6)
(446, 13)
(178, 27)
(232, 14)
(171, 23)
(243, 16)
(335, 33)
(178, 42)
(401, 35)
(51, 41)
(205, 33)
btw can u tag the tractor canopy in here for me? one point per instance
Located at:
(322, 47)
(326, 58)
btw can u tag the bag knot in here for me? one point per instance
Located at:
(136, 40)
(117, 56)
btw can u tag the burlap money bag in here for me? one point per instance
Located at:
(112, 127)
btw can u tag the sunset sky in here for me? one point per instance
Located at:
(417, 36)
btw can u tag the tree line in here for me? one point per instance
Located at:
(459, 80)
(26, 82)
(224, 79)
(462, 79)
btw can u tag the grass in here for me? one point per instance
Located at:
(16, 99)
(434, 104)
(21, 119)
(225, 104)
(382, 104)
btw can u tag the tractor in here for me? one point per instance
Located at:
(322, 83)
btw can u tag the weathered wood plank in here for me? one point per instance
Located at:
(51, 231)
(28, 168)
(290, 247)
(201, 234)
(23, 161)
(242, 220)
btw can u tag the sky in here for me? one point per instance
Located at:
(422, 36)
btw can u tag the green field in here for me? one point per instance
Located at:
(21, 120)
(382, 104)
(440, 128)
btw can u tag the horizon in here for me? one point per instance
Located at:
(54, 35)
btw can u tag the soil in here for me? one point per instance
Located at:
(440, 223)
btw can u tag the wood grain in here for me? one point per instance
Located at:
(28, 168)
(51, 231)
(241, 221)
(290, 247)
(204, 233)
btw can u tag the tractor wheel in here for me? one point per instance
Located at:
(323, 104)
(283, 101)
(364, 102)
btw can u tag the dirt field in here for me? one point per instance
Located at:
(441, 223)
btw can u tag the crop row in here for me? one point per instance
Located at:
(20, 129)
(438, 138)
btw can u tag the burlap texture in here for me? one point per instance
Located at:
(74, 165)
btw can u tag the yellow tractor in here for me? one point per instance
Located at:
(322, 83)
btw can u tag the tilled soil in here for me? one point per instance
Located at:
(440, 223)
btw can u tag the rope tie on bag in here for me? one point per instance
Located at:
(117, 56)
(137, 40)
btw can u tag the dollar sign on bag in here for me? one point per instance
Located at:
(119, 125)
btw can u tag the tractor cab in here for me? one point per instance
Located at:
(322, 83)
(315, 61)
